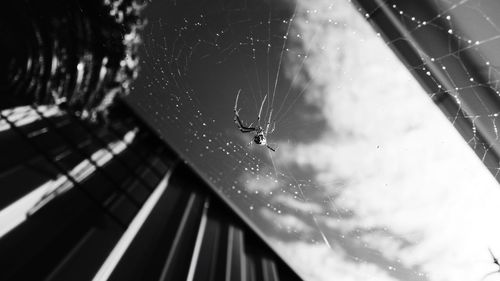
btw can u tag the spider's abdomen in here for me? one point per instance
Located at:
(259, 139)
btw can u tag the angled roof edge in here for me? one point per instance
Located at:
(415, 48)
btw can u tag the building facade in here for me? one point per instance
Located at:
(81, 201)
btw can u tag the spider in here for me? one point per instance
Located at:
(260, 136)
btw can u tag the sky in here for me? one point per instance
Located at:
(369, 180)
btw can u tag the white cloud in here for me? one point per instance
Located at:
(285, 222)
(289, 201)
(407, 168)
(318, 263)
(257, 184)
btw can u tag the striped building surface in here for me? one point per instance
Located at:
(87, 202)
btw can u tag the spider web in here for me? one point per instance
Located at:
(465, 70)
(369, 181)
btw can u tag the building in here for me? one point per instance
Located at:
(80, 201)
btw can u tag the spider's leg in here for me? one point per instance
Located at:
(237, 120)
(242, 127)
(272, 128)
(246, 130)
(236, 102)
(237, 111)
(272, 149)
(240, 124)
(260, 111)
(268, 122)
(495, 260)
